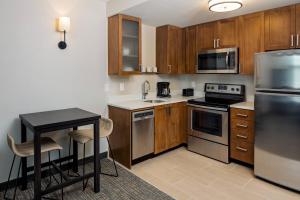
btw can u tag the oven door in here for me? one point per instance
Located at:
(223, 61)
(209, 124)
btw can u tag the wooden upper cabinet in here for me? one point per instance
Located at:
(280, 28)
(124, 45)
(227, 33)
(219, 34)
(251, 33)
(206, 36)
(191, 50)
(169, 49)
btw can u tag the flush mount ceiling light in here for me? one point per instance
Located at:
(224, 5)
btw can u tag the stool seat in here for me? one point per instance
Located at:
(85, 135)
(82, 136)
(26, 149)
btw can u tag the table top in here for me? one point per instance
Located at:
(43, 120)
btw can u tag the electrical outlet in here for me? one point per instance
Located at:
(193, 84)
(122, 87)
(106, 87)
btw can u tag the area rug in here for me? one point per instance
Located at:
(127, 186)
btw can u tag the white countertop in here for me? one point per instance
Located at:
(140, 104)
(244, 105)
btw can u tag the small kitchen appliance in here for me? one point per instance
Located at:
(208, 119)
(163, 89)
(188, 92)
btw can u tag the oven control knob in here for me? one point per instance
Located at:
(232, 89)
(237, 89)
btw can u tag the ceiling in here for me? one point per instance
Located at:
(189, 12)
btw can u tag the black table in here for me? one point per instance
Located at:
(44, 122)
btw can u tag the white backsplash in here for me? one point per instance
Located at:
(133, 85)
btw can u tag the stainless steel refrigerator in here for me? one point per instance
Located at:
(277, 117)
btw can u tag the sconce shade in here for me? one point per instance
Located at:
(63, 24)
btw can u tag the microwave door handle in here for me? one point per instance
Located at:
(227, 58)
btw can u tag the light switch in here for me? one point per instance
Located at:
(106, 87)
(122, 87)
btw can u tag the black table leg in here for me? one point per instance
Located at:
(96, 158)
(37, 166)
(75, 154)
(24, 160)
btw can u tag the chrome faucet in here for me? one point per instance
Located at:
(145, 89)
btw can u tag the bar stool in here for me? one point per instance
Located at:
(87, 135)
(27, 150)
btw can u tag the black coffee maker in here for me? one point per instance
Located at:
(163, 89)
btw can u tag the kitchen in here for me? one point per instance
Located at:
(209, 109)
(150, 99)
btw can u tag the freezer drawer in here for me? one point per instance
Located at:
(277, 138)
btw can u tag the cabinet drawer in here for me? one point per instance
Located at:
(242, 125)
(242, 134)
(237, 113)
(242, 151)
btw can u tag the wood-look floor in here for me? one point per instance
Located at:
(189, 176)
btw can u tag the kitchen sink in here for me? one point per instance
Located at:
(154, 101)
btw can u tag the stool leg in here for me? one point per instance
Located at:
(16, 186)
(83, 182)
(49, 168)
(112, 156)
(70, 141)
(8, 180)
(61, 177)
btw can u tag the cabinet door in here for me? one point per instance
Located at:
(172, 50)
(177, 125)
(280, 28)
(227, 33)
(251, 40)
(191, 49)
(161, 129)
(181, 38)
(206, 36)
(298, 25)
(162, 49)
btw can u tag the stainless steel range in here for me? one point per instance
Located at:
(209, 120)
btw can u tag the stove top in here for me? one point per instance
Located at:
(220, 95)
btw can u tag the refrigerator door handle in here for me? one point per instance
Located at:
(271, 93)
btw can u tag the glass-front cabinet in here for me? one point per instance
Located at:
(124, 45)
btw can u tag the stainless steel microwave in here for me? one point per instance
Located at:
(218, 61)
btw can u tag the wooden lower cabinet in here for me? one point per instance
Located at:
(242, 135)
(170, 126)
(170, 130)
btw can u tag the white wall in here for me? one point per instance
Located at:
(36, 76)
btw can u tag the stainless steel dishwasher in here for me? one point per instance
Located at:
(142, 133)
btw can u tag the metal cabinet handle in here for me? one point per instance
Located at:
(297, 40)
(218, 43)
(214, 43)
(242, 136)
(169, 68)
(292, 40)
(241, 125)
(241, 115)
(241, 149)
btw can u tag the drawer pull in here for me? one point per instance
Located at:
(242, 136)
(242, 126)
(241, 115)
(241, 149)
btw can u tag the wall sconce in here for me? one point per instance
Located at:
(63, 26)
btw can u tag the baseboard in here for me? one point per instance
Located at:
(46, 171)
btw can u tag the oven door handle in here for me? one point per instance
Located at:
(208, 107)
